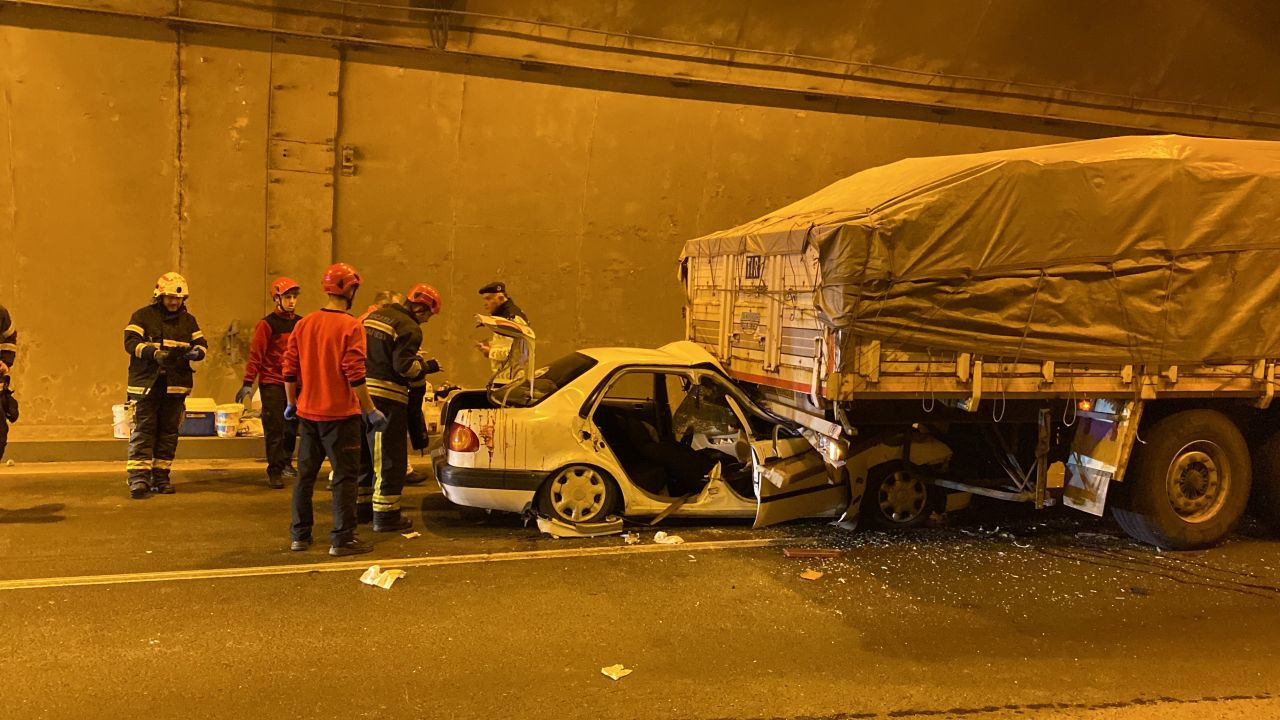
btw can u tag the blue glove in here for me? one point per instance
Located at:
(376, 420)
(244, 394)
(195, 353)
(291, 412)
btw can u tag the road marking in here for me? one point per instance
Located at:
(348, 565)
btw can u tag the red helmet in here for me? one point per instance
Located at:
(339, 278)
(424, 294)
(283, 285)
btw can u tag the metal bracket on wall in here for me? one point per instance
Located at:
(348, 166)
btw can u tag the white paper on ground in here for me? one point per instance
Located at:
(662, 538)
(381, 578)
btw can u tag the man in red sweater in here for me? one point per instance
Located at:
(326, 356)
(266, 360)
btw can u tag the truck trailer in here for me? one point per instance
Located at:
(1094, 324)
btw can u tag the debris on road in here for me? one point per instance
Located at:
(811, 575)
(662, 538)
(812, 553)
(632, 538)
(411, 535)
(384, 579)
(615, 672)
(611, 525)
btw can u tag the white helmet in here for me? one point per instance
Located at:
(171, 283)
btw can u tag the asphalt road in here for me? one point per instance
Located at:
(191, 606)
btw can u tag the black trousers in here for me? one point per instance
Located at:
(157, 417)
(8, 408)
(281, 435)
(338, 440)
(382, 480)
(418, 438)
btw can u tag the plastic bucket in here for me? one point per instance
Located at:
(122, 421)
(226, 419)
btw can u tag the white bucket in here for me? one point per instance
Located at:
(122, 421)
(226, 419)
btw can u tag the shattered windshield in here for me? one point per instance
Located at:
(546, 381)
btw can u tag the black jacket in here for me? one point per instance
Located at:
(8, 339)
(152, 329)
(511, 311)
(393, 338)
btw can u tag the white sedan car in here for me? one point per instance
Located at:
(642, 433)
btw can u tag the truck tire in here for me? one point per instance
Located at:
(1188, 486)
(1266, 483)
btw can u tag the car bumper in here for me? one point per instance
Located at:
(505, 490)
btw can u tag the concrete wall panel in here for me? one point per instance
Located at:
(92, 126)
(576, 193)
(225, 91)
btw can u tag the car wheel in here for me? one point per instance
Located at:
(579, 494)
(896, 498)
(1188, 485)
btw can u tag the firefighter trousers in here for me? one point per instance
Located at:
(382, 480)
(157, 417)
(338, 440)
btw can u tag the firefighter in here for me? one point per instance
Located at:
(324, 383)
(266, 355)
(498, 304)
(162, 340)
(8, 356)
(395, 362)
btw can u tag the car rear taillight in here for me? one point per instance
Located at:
(462, 439)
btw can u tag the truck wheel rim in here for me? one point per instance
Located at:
(578, 493)
(1198, 481)
(902, 497)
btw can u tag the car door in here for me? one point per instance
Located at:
(522, 360)
(791, 478)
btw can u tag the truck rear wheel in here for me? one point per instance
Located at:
(1266, 484)
(1188, 485)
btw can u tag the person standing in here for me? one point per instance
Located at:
(394, 337)
(326, 356)
(8, 356)
(498, 348)
(266, 360)
(162, 340)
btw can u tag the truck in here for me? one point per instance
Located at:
(1093, 324)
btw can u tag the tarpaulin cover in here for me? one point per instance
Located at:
(1144, 250)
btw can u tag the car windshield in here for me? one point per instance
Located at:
(546, 381)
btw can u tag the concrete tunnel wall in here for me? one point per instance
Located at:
(113, 172)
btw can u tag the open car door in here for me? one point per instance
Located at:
(791, 478)
(520, 364)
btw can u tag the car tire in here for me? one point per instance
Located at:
(1188, 486)
(897, 499)
(1266, 481)
(579, 494)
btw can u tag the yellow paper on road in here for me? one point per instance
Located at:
(615, 672)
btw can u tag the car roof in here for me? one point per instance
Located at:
(681, 354)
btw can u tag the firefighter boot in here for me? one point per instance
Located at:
(387, 522)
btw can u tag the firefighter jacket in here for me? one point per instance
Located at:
(157, 342)
(8, 343)
(394, 339)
